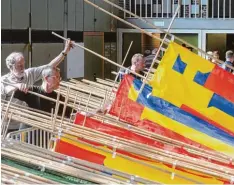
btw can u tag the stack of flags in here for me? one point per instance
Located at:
(189, 100)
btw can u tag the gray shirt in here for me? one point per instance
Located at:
(31, 76)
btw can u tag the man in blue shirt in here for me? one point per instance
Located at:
(229, 61)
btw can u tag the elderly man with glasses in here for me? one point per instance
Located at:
(23, 79)
(50, 82)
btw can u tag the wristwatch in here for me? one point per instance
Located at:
(64, 54)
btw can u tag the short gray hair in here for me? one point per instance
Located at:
(13, 58)
(229, 54)
(49, 71)
(136, 57)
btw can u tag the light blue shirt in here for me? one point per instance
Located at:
(224, 66)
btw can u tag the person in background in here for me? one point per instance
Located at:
(187, 47)
(138, 65)
(149, 59)
(215, 56)
(229, 61)
(209, 57)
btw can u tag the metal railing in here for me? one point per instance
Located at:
(199, 9)
(34, 136)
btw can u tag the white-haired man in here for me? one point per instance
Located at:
(23, 79)
(138, 65)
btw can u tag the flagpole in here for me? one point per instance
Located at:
(122, 143)
(122, 20)
(159, 49)
(162, 30)
(100, 56)
(117, 76)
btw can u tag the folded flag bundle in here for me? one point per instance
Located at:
(189, 100)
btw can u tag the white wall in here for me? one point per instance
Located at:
(75, 62)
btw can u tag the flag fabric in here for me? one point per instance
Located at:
(128, 134)
(190, 98)
(186, 80)
(130, 111)
(75, 147)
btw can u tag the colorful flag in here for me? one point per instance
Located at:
(189, 100)
(185, 98)
(130, 111)
(190, 82)
(75, 147)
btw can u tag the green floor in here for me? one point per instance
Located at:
(48, 174)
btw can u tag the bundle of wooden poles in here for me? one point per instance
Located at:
(87, 96)
(16, 156)
(58, 127)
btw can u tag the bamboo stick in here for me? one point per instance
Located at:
(100, 56)
(161, 45)
(60, 167)
(117, 76)
(74, 162)
(39, 95)
(64, 107)
(59, 157)
(5, 115)
(107, 83)
(23, 173)
(125, 127)
(99, 85)
(45, 117)
(83, 134)
(218, 61)
(110, 80)
(134, 160)
(79, 89)
(17, 176)
(5, 132)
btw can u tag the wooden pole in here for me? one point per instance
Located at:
(103, 138)
(161, 45)
(100, 56)
(166, 32)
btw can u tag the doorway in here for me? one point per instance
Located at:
(220, 42)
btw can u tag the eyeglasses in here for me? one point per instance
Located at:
(60, 78)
